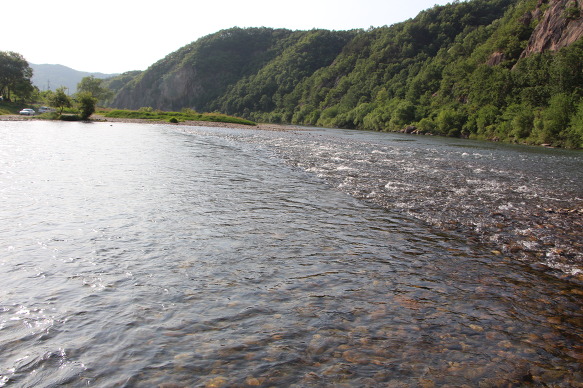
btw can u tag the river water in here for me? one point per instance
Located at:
(176, 256)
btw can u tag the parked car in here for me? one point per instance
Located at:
(45, 109)
(28, 112)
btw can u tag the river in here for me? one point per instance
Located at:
(177, 256)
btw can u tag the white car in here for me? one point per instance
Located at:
(45, 109)
(28, 112)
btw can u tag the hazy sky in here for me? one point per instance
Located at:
(113, 36)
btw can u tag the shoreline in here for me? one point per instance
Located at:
(101, 119)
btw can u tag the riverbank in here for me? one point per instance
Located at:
(214, 124)
(101, 118)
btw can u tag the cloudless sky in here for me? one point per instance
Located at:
(114, 36)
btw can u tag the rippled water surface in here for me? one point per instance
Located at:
(153, 255)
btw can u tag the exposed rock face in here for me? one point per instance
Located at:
(561, 25)
(496, 58)
(161, 92)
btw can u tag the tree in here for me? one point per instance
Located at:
(450, 122)
(575, 133)
(403, 114)
(94, 86)
(86, 103)
(556, 119)
(24, 90)
(59, 99)
(15, 75)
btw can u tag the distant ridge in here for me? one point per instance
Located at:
(51, 77)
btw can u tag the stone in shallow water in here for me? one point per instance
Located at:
(356, 357)
(254, 381)
(216, 382)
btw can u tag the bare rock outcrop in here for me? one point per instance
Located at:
(496, 58)
(560, 26)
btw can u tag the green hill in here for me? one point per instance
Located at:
(508, 70)
(199, 73)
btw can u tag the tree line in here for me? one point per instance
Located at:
(16, 86)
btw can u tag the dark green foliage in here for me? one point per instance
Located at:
(118, 82)
(572, 12)
(70, 118)
(271, 87)
(454, 70)
(450, 122)
(59, 99)
(555, 120)
(86, 103)
(574, 134)
(94, 86)
(15, 77)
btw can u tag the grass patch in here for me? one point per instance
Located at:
(11, 108)
(49, 116)
(187, 115)
(70, 117)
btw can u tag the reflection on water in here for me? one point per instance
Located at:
(146, 256)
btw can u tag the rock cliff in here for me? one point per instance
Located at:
(560, 26)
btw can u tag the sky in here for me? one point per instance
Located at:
(114, 36)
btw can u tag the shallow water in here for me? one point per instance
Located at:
(152, 255)
(526, 202)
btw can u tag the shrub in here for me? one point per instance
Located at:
(404, 113)
(450, 122)
(86, 103)
(173, 120)
(556, 118)
(70, 118)
(486, 117)
(50, 116)
(522, 121)
(427, 125)
(574, 135)
(571, 12)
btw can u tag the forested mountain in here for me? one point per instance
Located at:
(199, 73)
(117, 82)
(496, 69)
